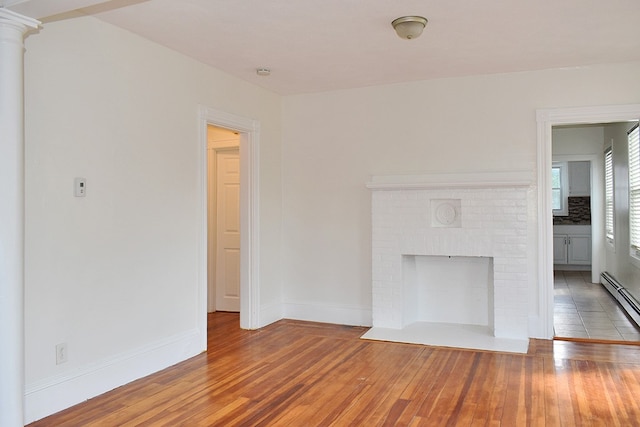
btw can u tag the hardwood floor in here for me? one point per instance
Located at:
(296, 373)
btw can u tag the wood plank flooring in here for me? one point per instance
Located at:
(296, 373)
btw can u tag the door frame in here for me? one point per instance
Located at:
(249, 131)
(546, 119)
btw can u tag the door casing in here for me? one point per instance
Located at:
(249, 131)
(546, 119)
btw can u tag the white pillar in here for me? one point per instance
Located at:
(12, 30)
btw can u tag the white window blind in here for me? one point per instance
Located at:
(608, 194)
(634, 189)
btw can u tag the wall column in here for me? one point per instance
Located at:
(12, 30)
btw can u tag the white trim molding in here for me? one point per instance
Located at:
(53, 394)
(341, 315)
(451, 180)
(249, 215)
(27, 22)
(546, 119)
(13, 28)
(270, 313)
(47, 8)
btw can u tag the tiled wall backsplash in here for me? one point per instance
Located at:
(579, 212)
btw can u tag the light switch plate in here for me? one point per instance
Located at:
(80, 187)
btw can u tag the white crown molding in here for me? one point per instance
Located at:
(7, 15)
(45, 8)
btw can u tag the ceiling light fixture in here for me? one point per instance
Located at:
(409, 27)
(263, 72)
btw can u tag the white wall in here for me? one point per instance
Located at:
(574, 140)
(114, 275)
(333, 142)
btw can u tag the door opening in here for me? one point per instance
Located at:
(546, 120)
(223, 222)
(249, 225)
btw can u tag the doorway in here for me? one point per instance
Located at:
(583, 309)
(223, 222)
(546, 120)
(249, 134)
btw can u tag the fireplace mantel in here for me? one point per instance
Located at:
(451, 180)
(468, 215)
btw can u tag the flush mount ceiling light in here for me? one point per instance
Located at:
(409, 27)
(263, 72)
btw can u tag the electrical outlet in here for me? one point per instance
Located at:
(61, 353)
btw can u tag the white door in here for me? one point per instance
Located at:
(227, 252)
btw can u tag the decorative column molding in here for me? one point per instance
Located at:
(22, 22)
(13, 28)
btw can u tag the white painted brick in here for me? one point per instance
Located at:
(494, 224)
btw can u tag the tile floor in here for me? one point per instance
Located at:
(586, 310)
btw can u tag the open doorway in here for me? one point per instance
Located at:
(223, 222)
(585, 118)
(583, 308)
(249, 197)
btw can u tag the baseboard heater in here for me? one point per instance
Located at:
(626, 300)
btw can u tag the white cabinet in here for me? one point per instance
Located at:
(579, 249)
(572, 245)
(571, 249)
(580, 178)
(560, 249)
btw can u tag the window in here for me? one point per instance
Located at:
(608, 195)
(634, 191)
(559, 182)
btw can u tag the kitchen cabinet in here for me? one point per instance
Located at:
(571, 249)
(580, 178)
(572, 245)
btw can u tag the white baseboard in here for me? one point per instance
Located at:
(59, 392)
(270, 313)
(571, 267)
(341, 315)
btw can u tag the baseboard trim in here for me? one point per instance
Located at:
(341, 315)
(270, 313)
(571, 267)
(53, 394)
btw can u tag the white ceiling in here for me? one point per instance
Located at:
(320, 45)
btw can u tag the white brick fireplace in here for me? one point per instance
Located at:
(450, 259)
